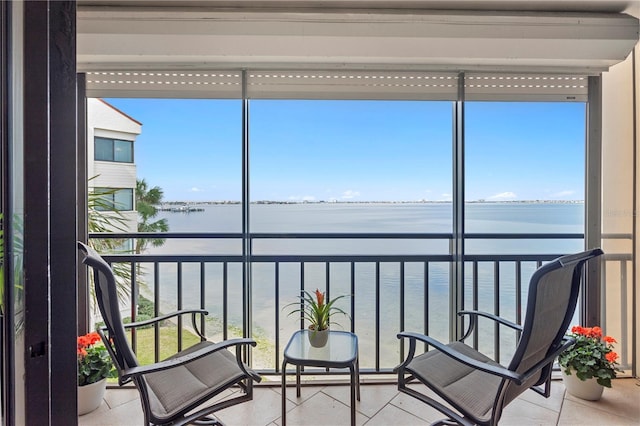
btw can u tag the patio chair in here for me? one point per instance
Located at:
(474, 387)
(171, 391)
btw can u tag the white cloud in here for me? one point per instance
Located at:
(195, 189)
(503, 196)
(350, 194)
(302, 198)
(445, 197)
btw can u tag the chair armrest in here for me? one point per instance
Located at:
(460, 357)
(165, 317)
(473, 321)
(185, 359)
(492, 317)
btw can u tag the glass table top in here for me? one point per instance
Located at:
(341, 349)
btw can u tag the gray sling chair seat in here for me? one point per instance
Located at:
(178, 390)
(475, 387)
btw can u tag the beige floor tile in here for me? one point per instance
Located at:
(128, 414)
(554, 402)
(417, 407)
(372, 397)
(575, 413)
(392, 415)
(524, 413)
(622, 399)
(264, 409)
(322, 410)
(619, 406)
(91, 418)
(118, 396)
(306, 392)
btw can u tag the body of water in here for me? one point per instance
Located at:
(358, 218)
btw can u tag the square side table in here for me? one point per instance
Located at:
(341, 351)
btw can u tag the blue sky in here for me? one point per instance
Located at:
(358, 150)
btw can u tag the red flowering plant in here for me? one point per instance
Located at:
(592, 355)
(317, 310)
(94, 362)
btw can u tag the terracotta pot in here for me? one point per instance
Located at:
(584, 389)
(318, 338)
(90, 396)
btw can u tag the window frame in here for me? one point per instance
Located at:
(110, 196)
(113, 142)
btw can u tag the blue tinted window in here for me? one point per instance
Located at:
(114, 199)
(104, 149)
(123, 151)
(113, 150)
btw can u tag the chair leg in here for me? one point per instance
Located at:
(208, 421)
(444, 422)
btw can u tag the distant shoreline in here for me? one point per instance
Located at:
(218, 202)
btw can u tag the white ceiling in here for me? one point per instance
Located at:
(523, 36)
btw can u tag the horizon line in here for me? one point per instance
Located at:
(481, 201)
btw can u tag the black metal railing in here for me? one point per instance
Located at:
(246, 293)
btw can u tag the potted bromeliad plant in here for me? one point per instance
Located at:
(94, 366)
(589, 364)
(317, 310)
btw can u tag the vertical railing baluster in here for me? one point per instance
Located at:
(156, 309)
(377, 321)
(179, 306)
(476, 303)
(401, 308)
(225, 300)
(302, 294)
(518, 296)
(202, 298)
(277, 297)
(353, 297)
(327, 281)
(426, 301)
(496, 308)
(134, 305)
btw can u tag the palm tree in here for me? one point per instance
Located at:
(146, 201)
(102, 217)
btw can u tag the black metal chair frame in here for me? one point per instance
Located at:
(113, 335)
(512, 376)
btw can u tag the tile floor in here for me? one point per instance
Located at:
(381, 404)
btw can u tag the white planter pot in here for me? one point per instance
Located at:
(90, 396)
(318, 338)
(584, 389)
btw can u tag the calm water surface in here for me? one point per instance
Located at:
(359, 218)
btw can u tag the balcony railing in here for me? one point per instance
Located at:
(246, 293)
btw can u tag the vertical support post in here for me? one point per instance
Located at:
(7, 338)
(63, 134)
(591, 300)
(83, 202)
(50, 134)
(634, 238)
(36, 208)
(246, 231)
(456, 291)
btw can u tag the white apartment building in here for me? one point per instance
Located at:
(111, 167)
